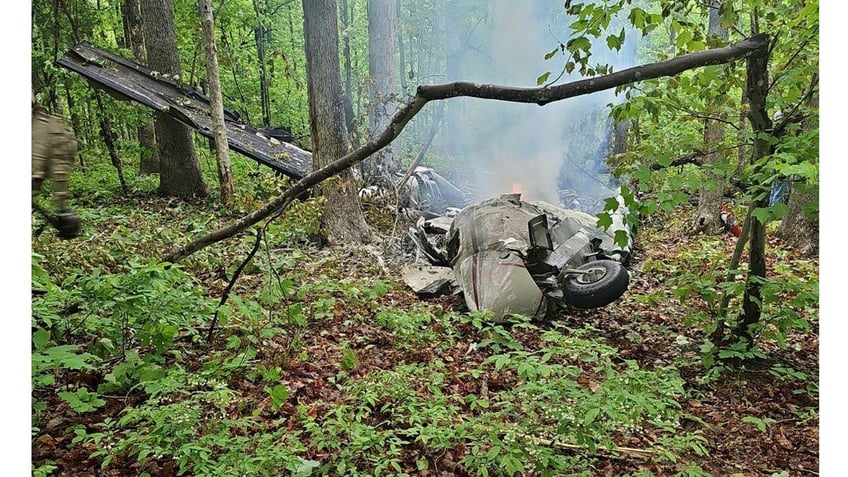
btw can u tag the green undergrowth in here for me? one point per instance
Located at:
(319, 364)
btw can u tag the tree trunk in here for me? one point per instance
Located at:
(108, 135)
(404, 87)
(800, 229)
(149, 156)
(342, 220)
(382, 18)
(262, 36)
(712, 191)
(757, 88)
(350, 116)
(455, 116)
(179, 169)
(225, 173)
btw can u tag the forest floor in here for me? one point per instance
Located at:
(339, 369)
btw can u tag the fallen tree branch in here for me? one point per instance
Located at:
(425, 94)
(633, 452)
(229, 288)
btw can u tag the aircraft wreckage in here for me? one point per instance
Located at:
(126, 80)
(511, 256)
(504, 254)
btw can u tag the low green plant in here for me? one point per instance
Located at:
(82, 400)
(278, 395)
(410, 327)
(789, 302)
(349, 360)
(761, 423)
(43, 470)
(192, 428)
(145, 305)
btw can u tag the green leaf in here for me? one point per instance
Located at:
(604, 220)
(761, 214)
(648, 207)
(278, 394)
(642, 174)
(611, 204)
(760, 423)
(552, 53)
(233, 342)
(82, 400)
(579, 43)
(637, 18)
(779, 210)
(541, 79)
(40, 338)
(306, 467)
(591, 415)
(621, 238)
(628, 196)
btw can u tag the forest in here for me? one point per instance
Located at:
(220, 281)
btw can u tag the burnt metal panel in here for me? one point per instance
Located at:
(126, 80)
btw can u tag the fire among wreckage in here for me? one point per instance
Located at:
(511, 256)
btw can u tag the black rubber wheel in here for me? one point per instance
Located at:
(605, 283)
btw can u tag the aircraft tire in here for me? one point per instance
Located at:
(606, 284)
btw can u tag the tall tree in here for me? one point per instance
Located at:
(149, 157)
(342, 220)
(382, 19)
(761, 125)
(712, 191)
(262, 36)
(225, 173)
(179, 169)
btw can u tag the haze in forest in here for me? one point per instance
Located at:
(524, 147)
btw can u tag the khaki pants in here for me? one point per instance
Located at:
(53, 151)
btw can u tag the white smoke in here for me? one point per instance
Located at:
(524, 146)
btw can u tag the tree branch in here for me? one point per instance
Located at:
(691, 158)
(543, 96)
(425, 94)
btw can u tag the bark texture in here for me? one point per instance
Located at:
(149, 155)
(216, 102)
(342, 221)
(262, 36)
(179, 169)
(757, 87)
(712, 191)
(382, 23)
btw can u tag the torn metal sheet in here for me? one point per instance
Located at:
(428, 280)
(424, 194)
(426, 190)
(126, 80)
